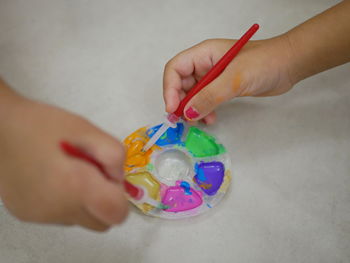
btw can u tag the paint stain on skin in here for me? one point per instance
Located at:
(220, 100)
(236, 83)
(246, 92)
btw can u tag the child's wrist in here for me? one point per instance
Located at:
(287, 58)
(295, 65)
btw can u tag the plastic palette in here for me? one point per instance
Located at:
(187, 170)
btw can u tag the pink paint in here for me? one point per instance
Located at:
(176, 198)
(163, 188)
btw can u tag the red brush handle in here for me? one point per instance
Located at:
(132, 190)
(74, 151)
(80, 154)
(216, 70)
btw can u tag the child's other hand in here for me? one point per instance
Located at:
(40, 183)
(260, 69)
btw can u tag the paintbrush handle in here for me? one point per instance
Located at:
(80, 154)
(76, 152)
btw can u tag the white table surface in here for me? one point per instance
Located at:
(290, 198)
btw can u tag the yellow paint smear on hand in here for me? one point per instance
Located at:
(219, 99)
(236, 83)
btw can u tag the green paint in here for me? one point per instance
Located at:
(164, 136)
(150, 167)
(201, 144)
(162, 206)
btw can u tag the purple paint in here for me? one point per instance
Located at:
(209, 176)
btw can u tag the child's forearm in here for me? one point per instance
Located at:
(5, 92)
(9, 100)
(320, 43)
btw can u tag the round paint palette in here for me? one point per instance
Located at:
(187, 170)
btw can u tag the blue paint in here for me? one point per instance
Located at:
(171, 136)
(186, 186)
(199, 173)
(208, 205)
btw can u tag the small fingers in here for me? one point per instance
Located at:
(188, 83)
(172, 85)
(105, 201)
(210, 118)
(182, 72)
(85, 219)
(178, 68)
(225, 87)
(88, 199)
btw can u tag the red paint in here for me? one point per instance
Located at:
(216, 70)
(191, 113)
(74, 151)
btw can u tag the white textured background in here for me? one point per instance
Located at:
(290, 200)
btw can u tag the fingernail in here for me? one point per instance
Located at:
(191, 113)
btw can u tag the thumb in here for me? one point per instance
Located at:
(223, 88)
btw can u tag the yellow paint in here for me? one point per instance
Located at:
(245, 93)
(226, 183)
(236, 83)
(219, 99)
(134, 155)
(205, 186)
(146, 180)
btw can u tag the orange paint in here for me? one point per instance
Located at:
(246, 92)
(236, 83)
(219, 100)
(134, 143)
(203, 185)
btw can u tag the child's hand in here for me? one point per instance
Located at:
(40, 183)
(260, 69)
